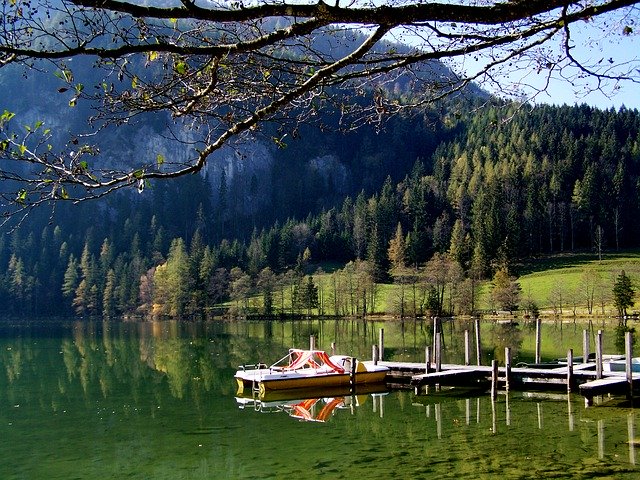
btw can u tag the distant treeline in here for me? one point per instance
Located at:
(503, 183)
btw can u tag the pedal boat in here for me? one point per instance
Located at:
(620, 365)
(308, 369)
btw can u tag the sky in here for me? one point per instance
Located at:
(610, 43)
(621, 50)
(596, 43)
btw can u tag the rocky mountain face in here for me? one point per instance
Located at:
(253, 180)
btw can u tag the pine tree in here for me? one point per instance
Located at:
(505, 290)
(306, 295)
(71, 278)
(623, 293)
(108, 299)
(266, 283)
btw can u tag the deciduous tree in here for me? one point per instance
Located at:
(220, 69)
(505, 290)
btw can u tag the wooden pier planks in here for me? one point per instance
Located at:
(459, 377)
(613, 384)
(583, 375)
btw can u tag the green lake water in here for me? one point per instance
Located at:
(157, 400)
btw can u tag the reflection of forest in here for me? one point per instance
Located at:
(506, 335)
(192, 358)
(149, 400)
(113, 357)
(138, 358)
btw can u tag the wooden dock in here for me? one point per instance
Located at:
(588, 377)
(581, 377)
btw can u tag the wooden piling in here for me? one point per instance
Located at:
(628, 351)
(467, 348)
(494, 379)
(507, 367)
(538, 339)
(569, 369)
(352, 375)
(333, 348)
(599, 354)
(438, 352)
(427, 359)
(381, 343)
(375, 354)
(434, 339)
(494, 419)
(312, 342)
(478, 343)
(585, 346)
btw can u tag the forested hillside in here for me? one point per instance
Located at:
(432, 198)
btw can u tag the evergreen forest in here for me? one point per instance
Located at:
(432, 199)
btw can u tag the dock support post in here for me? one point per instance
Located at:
(381, 343)
(538, 338)
(494, 379)
(427, 359)
(569, 369)
(507, 367)
(599, 354)
(585, 346)
(312, 342)
(352, 376)
(438, 352)
(333, 348)
(628, 351)
(467, 348)
(374, 354)
(478, 343)
(436, 330)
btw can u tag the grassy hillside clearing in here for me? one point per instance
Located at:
(573, 281)
(568, 285)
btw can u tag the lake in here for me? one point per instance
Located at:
(157, 400)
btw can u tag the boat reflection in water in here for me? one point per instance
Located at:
(310, 405)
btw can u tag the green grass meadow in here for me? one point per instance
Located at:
(565, 280)
(571, 274)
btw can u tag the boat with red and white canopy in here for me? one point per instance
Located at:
(308, 369)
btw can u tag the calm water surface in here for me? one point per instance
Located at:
(155, 400)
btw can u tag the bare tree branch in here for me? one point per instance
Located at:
(216, 70)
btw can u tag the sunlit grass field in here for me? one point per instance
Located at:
(562, 284)
(573, 277)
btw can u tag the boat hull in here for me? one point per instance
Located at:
(298, 394)
(621, 365)
(267, 381)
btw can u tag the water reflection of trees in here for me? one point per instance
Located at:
(119, 358)
(506, 335)
(189, 359)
